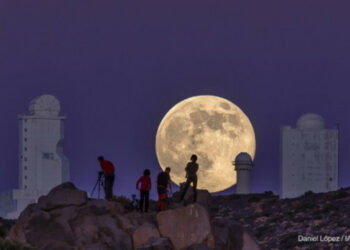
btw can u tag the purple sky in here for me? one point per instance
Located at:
(118, 67)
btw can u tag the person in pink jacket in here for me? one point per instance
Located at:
(146, 186)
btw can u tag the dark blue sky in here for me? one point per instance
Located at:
(118, 66)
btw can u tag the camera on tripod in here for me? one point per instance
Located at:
(99, 184)
(100, 174)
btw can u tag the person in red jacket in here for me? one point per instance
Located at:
(146, 186)
(108, 172)
(163, 182)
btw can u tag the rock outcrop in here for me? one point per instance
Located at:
(230, 235)
(66, 219)
(203, 196)
(73, 222)
(62, 196)
(186, 226)
(144, 234)
(157, 244)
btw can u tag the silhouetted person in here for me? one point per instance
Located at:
(108, 172)
(163, 182)
(191, 175)
(146, 186)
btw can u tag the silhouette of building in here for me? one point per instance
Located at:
(309, 157)
(42, 164)
(243, 166)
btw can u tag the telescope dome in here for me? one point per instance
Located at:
(311, 121)
(243, 158)
(45, 105)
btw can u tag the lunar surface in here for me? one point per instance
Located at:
(214, 129)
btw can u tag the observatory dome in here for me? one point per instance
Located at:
(311, 121)
(45, 105)
(243, 158)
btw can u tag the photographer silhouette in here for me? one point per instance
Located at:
(108, 174)
(99, 184)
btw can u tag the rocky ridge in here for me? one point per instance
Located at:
(67, 219)
(277, 223)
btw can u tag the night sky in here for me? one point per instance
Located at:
(118, 66)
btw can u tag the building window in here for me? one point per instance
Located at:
(25, 130)
(25, 187)
(25, 149)
(25, 139)
(47, 156)
(25, 167)
(25, 177)
(25, 159)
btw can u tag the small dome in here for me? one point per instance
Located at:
(311, 121)
(243, 158)
(45, 105)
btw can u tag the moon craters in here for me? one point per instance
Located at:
(211, 127)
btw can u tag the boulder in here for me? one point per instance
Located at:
(230, 235)
(145, 233)
(186, 226)
(99, 207)
(131, 221)
(198, 247)
(99, 232)
(126, 224)
(203, 196)
(63, 195)
(40, 230)
(19, 230)
(157, 244)
(66, 219)
(249, 243)
(55, 245)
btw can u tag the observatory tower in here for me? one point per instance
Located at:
(42, 164)
(309, 157)
(243, 166)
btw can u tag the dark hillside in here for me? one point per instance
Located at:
(277, 223)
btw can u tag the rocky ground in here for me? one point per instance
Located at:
(276, 223)
(5, 226)
(67, 219)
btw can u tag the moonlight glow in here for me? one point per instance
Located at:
(213, 128)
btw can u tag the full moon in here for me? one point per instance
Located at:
(214, 129)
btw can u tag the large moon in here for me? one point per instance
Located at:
(214, 129)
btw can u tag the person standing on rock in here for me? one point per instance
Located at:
(163, 182)
(108, 172)
(146, 186)
(191, 175)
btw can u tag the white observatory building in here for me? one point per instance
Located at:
(243, 166)
(42, 164)
(309, 157)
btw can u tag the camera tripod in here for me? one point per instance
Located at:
(99, 184)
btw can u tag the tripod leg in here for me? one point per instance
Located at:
(93, 190)
(99, 189)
